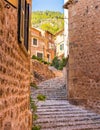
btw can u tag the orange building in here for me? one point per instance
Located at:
(42, 44)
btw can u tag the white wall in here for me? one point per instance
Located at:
(66, 44)
(59, 41)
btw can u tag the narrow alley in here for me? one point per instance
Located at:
(56, 113)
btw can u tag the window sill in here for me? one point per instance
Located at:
(34, 45)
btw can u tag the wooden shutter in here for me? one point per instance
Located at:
(26, 33)
(23, 22)
(21, 17)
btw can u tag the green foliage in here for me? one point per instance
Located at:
(35, 117)
(33, 105)
(39, 59)
(63, 63)
(45, 62)
(59, 64)
(34, 85)
(55, 62)
(36, 127)
(34, 57)
(41, 97)
(48, 20)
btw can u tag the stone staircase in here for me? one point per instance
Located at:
(56, 113)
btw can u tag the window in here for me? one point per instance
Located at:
(35, 41)
(62, 47)
(39, 55)
(23, 22)
(48, 57)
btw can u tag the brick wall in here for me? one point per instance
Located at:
(14, 74)
(84, 52)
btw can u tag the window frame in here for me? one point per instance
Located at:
(61, 46)
(33, 41)
(23, 24)
(41, 53)
(49, 59)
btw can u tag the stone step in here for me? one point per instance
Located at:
(56, 99)
(60, 118)
(74, 124)
(55, 103)
(82, 127)
(50, 93)
(56, 113)
(67, 119)
(60, 109)
(88, 115)
(63, 112)
(58, 96)
(55, 107)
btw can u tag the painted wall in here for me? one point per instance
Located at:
(66, 41)
(59, 42)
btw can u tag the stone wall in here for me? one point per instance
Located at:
(84, 53)
(14, 74)
(40, 72)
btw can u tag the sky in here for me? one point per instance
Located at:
(52, 5)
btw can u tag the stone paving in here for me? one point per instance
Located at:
(56, 113)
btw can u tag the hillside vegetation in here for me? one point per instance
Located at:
(48, 20)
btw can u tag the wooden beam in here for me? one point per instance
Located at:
(13, 2)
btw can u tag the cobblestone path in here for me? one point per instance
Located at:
(56, 113)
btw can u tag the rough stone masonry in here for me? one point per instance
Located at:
(84, 52)
(14, 74)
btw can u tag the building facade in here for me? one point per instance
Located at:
(37, 43)
(15, 111)
(66, 41)
(59, 42)
(84, 52)
(42, 44)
